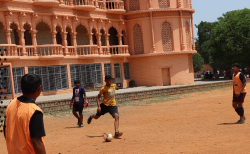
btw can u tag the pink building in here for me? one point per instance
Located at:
(148, 41)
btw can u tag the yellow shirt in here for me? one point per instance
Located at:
(109, 95)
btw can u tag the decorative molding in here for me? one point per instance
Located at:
(22, 14)
(8, 13)
(35, 15)
(75, 17)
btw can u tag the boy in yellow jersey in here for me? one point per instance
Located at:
(239, 92)
(23, 126)
(108, 104)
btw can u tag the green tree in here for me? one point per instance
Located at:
(204, 35)
(198, 62)
(230, 40)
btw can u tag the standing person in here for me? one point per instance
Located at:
(78, 102)
(208, 72)
(239, 92)
(224, 73)
(108, 104)
(23, 127)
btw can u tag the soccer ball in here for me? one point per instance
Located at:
(107, 137)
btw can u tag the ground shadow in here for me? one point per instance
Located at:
(94, 136)
(230, 123)
(72, 127)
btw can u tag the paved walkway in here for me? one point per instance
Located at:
(95, 93)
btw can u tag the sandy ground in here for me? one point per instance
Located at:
(196, 123)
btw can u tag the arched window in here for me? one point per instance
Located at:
(138, 40)
(163, 3)
(167, 38)
(102, 38)
(188, 36)
(94, 39)
(68, 30)
(14, 34)
(27, 35)
(113, 39)
(134, 5)
(82, 37)
(58, 35)
(43, 35)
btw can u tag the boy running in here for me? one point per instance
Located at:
(239, 92)
(23, 126)
(78, 102)
(108, 104)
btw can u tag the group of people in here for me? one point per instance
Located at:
(206, 74)
(24, 127)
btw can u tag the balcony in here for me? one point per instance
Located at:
(111, 6)
(46, 2)
(50, 51)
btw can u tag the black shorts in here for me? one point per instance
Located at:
(105, 109)
(239, 99)
(77, 107)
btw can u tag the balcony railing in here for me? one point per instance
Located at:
(114, 50)
(71, 50)
(30, 50)
(9, 50)
(49, 50)
(53, 50)
(110, 5)
(87, 50)
(117, 50)
(83, 2)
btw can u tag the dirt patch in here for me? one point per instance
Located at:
(200, 122)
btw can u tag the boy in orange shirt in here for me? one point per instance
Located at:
(23, 126)
(108, 104)
(239, 92)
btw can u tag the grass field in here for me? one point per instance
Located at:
(199, 122)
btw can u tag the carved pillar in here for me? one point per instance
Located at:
(179, 3)
(7, 34)
(34, 42)
(150, 4)
(70, 2)
(53, 36)
(181, 33)
(191, 5)
(104, 4)
(22, 42)
(152, 31)
(61, 1)
(107, 39)
(90, 38)
(119, 38)
(74, 42)
(65, 43)
(192, 31)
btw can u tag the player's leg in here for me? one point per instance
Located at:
(74, 111)
(98, 114)
(116, 123)
(240, 109)
(80, 108)
(113, 110)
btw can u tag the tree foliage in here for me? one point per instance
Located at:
(226, 41)
(198, 62)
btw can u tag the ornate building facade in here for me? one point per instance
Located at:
(148, 41)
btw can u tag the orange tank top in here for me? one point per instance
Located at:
(238, 83)
(18, 115)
